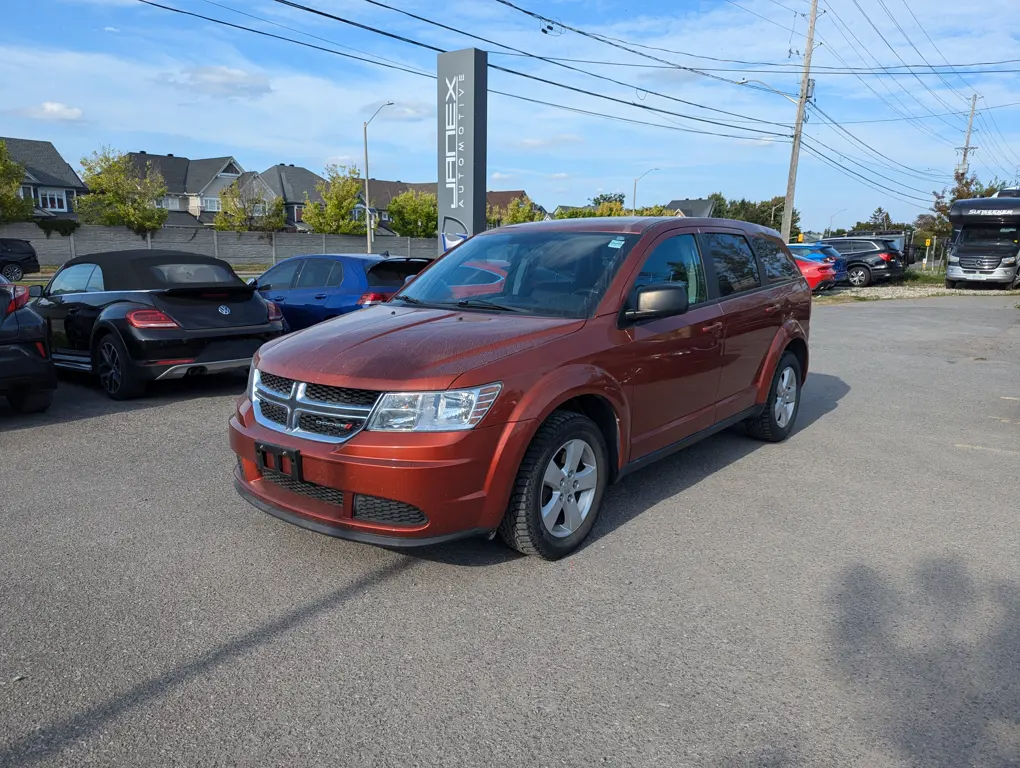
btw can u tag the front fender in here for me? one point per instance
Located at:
(791, 330)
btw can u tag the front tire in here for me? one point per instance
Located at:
(775, 423)
(12, 272)
(950, 284)
(859, 277)
(117, 376)
(24, 401)
(559, 489)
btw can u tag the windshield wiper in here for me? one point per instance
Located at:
(407, 299)
(486, 304)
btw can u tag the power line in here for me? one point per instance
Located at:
(520, 52)
(854, 175)
(432, 76)
(864, 165)
(525, 75)
(763, 18)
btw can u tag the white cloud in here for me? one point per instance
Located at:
(549, 141)
(559, 176)
(114, 30)
(52, 110)
(221, 81)
(497, 176)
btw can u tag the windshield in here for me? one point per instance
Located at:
(989, 234)
(546, 273)
(185, 274)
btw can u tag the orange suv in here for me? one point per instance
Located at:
(511, 381)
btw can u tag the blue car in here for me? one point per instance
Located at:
(317, 287)
(825, 253)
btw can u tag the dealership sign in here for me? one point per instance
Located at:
(463, 106)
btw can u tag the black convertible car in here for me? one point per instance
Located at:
(136, 316)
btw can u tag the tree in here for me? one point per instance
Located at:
(521, 210)
(936, 223)
(654, 210)
(608, 197)
(340, 193)
(767, 213)
(612, 207)
(880, 219)
(586, 212)
(118, 195)
(414, 214)
(12, 173)
(245, 209)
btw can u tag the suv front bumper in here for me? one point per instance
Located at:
(1000, 275)
(459, 482)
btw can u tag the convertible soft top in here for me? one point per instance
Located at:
(145, 270)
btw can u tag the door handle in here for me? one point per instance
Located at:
(279, 298)
(772, 309)
(713, 328)
(320, 295)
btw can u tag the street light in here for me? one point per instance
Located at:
(829, 230)
(633, 200)
(368, 212)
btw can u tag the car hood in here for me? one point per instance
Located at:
(387, 347)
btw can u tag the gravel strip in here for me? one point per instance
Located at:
(905, 291)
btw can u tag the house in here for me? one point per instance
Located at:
(295, 185)
(382, 193)
(698, 209)
(193, 186)
(49, 180)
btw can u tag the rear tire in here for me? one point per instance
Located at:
(117, 376)
(12, 272)
(859, 276)
(950, 284)
(559, 489)
(24, 401)
(775, 423)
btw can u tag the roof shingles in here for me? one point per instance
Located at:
(43, 164)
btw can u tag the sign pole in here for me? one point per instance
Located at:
(462, 141)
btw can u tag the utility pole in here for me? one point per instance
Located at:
(966, 149)
(805, 87)
(368, 209)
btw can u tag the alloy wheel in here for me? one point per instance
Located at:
(110, 373)
(13, 272)
(857, 277)
(786, 397)
(568, 488)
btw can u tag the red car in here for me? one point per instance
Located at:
(604, 345)
(820, 275)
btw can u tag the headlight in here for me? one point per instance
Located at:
(455, 409)
(251, 382)
(1009, 260)
(953, 258)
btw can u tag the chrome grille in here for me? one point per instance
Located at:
(979, 262)
(376, 510)
(311, 411)
(341, 395)
(312, 490)
(276, 383)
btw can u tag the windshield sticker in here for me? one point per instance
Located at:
(617, 243)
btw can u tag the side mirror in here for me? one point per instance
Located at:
(35, 291)
(253, 282)
(655, 301)
(409, 278)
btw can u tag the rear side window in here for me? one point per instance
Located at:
(95, 283)
(314, 274)
(676, 260)
(72, 280)
(776, 265)
(736, 269)
(392, 274)
(842, 247)
(192, 274)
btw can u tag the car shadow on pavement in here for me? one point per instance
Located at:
(933, 666)
(44, 744)
(78, 397)
(662, 480)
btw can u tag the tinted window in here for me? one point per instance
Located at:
(197, 273)
(842, 246)
(774, 261)
(95, 282)
(336, 275)
(314, 273)
(676, 260)
(280, 276)
(393, 273)
(548, 273)
(993, 234)
(72, 280)
(735, 267)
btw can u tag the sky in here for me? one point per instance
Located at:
(119, 73)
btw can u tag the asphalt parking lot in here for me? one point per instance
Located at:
(850, 597)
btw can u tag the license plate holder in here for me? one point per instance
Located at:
(272, 457)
